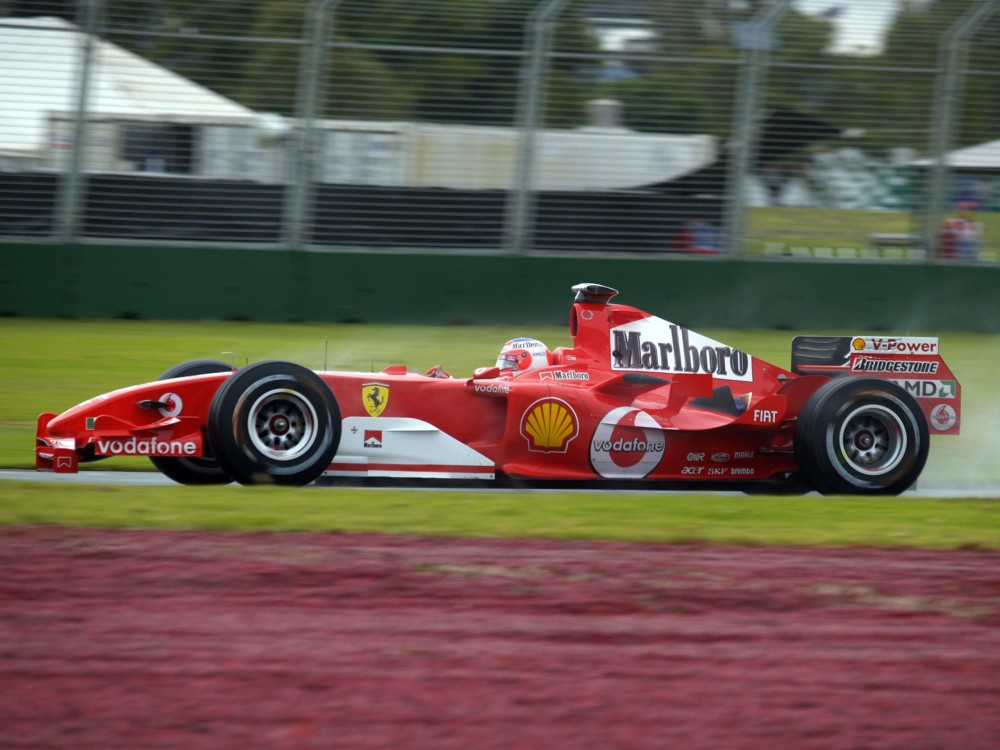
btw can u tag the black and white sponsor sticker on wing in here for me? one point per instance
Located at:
(656, 345)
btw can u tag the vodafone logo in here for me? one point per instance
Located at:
(173, 404)
(943, 417)
(153, 446)
(627, 444)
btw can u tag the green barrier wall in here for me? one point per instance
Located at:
(98, 281)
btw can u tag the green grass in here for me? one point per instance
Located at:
(630, 516)
(838, 229)
(50, 365)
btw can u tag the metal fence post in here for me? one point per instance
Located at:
(742, 144)
(947, 96)
(71, 193)
(296, 219)
(519, 218)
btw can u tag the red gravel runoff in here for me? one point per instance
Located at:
(175, 639)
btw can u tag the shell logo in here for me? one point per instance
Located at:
(549, 425)
(858, 344)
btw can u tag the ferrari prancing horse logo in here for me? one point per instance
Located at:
(374, 396)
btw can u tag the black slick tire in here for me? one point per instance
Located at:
(274, 422)
(861, 436)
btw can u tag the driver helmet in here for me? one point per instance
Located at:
(522, 354)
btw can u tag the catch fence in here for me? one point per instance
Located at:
(522, 127)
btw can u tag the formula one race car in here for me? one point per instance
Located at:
(636, 399)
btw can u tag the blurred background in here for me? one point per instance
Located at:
(845, 130)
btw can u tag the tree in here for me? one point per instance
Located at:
(202, 41)
(436, 60)
(915, 41)
(688, 83)
(460, 60)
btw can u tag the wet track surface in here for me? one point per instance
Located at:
(152, 478)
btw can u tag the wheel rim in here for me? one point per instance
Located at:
(282, 425)
(872, 440)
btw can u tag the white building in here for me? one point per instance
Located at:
(144, 118)
(39, 79)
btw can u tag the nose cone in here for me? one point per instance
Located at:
(74, 420)
(121, 404)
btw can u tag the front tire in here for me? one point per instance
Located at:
(203, 470)
(274, 422)
(861, 436)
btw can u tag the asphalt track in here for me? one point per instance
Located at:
(925, 489)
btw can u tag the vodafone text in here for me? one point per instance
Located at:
(146, 447)
(636, 445)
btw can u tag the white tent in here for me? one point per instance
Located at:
(39, 78)
(39, 74)
(981, 156)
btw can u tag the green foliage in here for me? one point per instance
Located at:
(201, 41)
(460, 60)
(391, 59)
(916, 40)
(666, 102)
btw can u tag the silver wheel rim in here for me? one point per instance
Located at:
(282, 425)
(872, 440)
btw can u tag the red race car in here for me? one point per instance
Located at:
(636, 399)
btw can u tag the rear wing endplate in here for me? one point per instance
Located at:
(913, 363)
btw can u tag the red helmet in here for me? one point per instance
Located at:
(522, 354)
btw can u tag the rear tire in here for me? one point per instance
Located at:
(201, 470)
(861, 436)
(274, 422)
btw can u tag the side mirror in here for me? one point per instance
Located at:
(486, 373)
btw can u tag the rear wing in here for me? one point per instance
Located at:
(913, 363)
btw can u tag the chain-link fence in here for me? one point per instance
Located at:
(779, 128)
